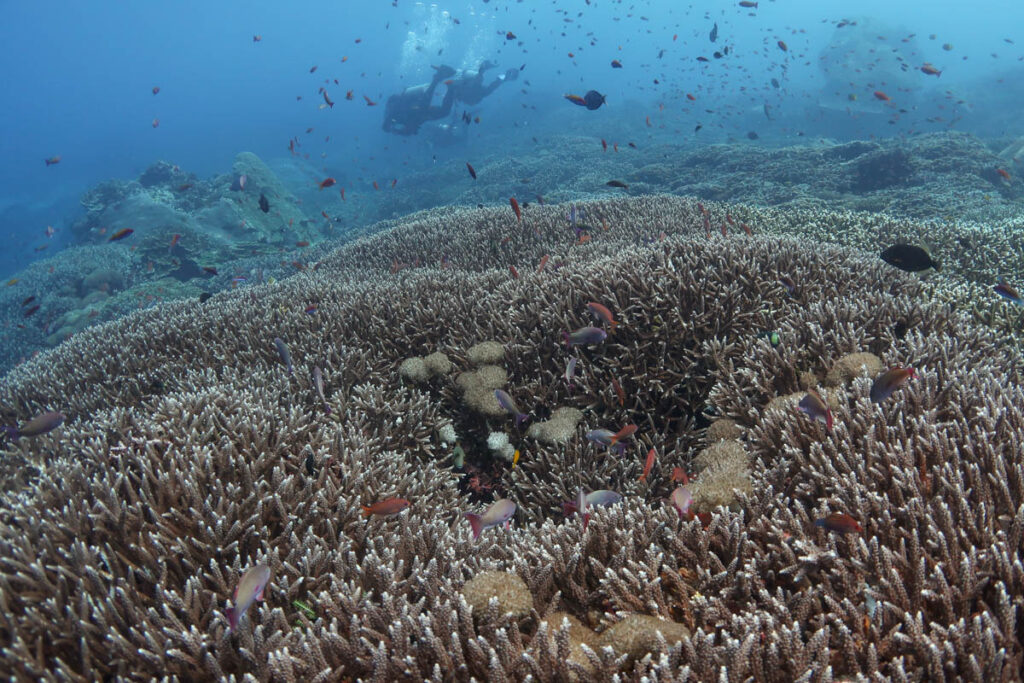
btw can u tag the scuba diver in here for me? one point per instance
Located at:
(406, 111)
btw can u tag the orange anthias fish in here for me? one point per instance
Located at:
(369, 102)
(52, 160)
(515, 207)
(839, 522)
(326, 182)
(1002, 172)
(882, 96)
(618, 391)
(623, 434)
(120, 234)
(601, 312)
(648, 464)
(814, 405)
(543, 262)
(576, 99)
(385, 508)
(174, 242)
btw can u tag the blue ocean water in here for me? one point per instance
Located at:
(78, 82)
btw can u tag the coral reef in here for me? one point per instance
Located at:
(190, 454)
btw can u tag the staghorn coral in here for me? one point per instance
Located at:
(190, 454)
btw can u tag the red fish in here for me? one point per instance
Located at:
(746, 229)
(120, 234)
(601, 312)
(375, 185)
(369, 102)
(617, 388)
(515, 207)
(472, 171)
(52, 160)
(882, 96)
(326, 182)
(888, 382)
(575, 99)
(174, 242)
(930, 70)
(543, 262)
(690, 97)
(604, 145)
(1003, 173)
(515, 273)
(623, 434)
(679, 475)
(839, 522)
(648, 464)
(385, 508)
(302, 243)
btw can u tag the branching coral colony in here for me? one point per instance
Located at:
(884, 541)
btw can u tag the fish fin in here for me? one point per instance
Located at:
(568, 509)
(474, 523)
(366, 511)
(586, 520)
(259, 596)
(521, 418)
(232, 616)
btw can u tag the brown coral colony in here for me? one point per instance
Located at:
(889, 545)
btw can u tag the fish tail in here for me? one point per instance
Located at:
(366, 511)
(11, 432)
(521, 418)
(615, 323)
(565, 336)
(232, 616)
(475, 523)
(568, 509)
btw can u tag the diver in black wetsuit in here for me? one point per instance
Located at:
(405, 112)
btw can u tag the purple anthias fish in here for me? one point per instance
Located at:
(506, 402)
(888, 382)
(38, 425)
(318, 380)
(250, 588)
(816, 408)
(604, 437)
(599, 498)
(585, 336)
(286, 357)
(499, 513)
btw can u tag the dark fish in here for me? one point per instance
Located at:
(616, 64)
(593, 100)
(1004, 290)
(752, 135)
(714, 33)
(32, 311)
(204, 297)
(775, 83)
(909, 258)
(29, 300)
(286, 357)
(617, 183)
(472, 171)
(264, 204)
(38, 425)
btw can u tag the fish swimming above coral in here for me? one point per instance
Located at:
(910, 258)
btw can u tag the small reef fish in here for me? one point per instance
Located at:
(909, 258)
(156, 89)
(472, 171)
(174, 241)
(815, 407)
(286, 357)
(499, 513)
(51, 161)
(616, 64)
(788, 284)
(1007, 292)
(617, 183)
(156, 123)
(37, 426)
(32, 311)
(602, 314)
(648, 464)
(840, 522)
(782, 46)
(318, 382)
(509, 405)
(888, 382)
(120, 234)
(13, 281)
(599, 498)
(619, 392)
(385, 508)
(326, 182)
(879, 95)
(623, 434)
(681, 500)
(1004, 174)
(585, 336)
(250, 588)
(591, 100)
(570, 371)
(603, 437)
(930, 70)
(515, 207)
(264, 204)
(210, 269)
(748, 4)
